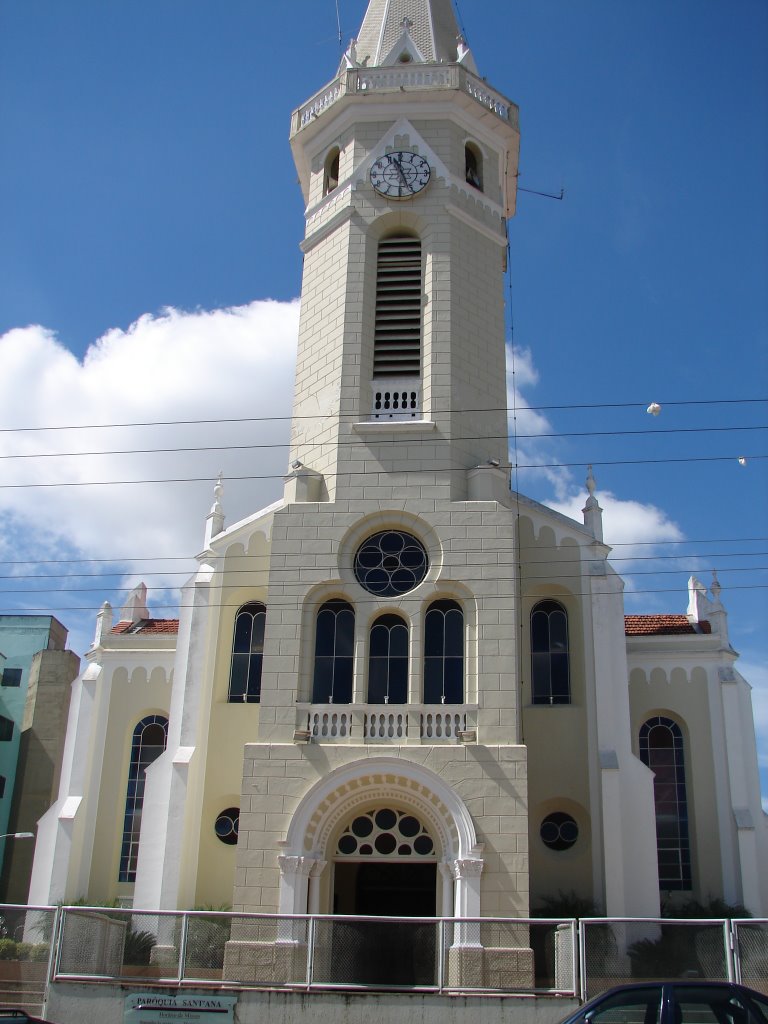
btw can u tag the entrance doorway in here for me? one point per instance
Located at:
(384, 953)
(385, 889)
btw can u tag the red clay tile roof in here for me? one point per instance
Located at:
(147, 626)
(662, 625)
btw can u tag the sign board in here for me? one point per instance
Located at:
(170, 1008)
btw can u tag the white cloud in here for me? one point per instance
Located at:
(172, 367)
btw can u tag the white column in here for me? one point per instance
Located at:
(315, 874)
(294, 879)
(446, 891)
(466, 873)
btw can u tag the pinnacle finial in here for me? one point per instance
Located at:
(214, 521)
(593, 514)
(218, 490)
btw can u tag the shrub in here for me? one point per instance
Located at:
(8, 949)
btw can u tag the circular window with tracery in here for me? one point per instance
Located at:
(385, 833)
(391, 563)
(559, 831)
(227, 826)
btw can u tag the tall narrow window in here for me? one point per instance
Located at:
(331, 171)
(473, 163)
(397, 338)
(661, 748)
(247, 654)
(550, 671)
(388, 661)
(149, 739)
(334, 653)
(444, 653)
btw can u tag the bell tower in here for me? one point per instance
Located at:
(408, 164)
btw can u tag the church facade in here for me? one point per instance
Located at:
(403, 688)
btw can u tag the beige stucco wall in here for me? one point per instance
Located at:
(683, 693)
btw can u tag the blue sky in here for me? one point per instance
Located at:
(150, 211)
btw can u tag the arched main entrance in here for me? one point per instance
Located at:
(378, 838)
(309, 851)
(385, 865)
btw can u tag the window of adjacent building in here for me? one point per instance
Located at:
(388, 661)
(2, 786)
(661, 748)
(6, 728)
(550, 671)
(331, 171)
(247, 654)
(149, 739)
(444, 653)
(473, 166)
(334, 653)
(11, 677)
(397, 333)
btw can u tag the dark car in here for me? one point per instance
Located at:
(674, 1002)
(8, 1016)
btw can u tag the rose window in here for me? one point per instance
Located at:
(391, 563)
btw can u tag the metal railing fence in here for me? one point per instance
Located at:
(535, 956)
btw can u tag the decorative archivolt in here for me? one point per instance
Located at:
(381, 780)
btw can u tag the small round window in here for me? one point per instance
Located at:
(559, 831)
(391, 563)
(227, 826)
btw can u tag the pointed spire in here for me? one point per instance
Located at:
(135, 608)
(593, 514)
(214, 521)
(429, 27)
(103, 623)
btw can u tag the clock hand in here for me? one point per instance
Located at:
(400, 170)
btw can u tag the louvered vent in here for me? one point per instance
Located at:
(397, 340)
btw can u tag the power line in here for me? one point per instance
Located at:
(265, 559)
(322, 571)
(434, 471)
(642, 404)
(536, 547)
(348, 444)
(498, 601)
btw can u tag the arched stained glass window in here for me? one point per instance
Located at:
(149, 739)
(550, 670)
(444, 653)
(334, 653)
(247, 654)
(388, 661)
(661, 748)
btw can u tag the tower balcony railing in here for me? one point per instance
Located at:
(418, 77)
(386, 723)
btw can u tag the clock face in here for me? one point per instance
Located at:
(400, 175)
